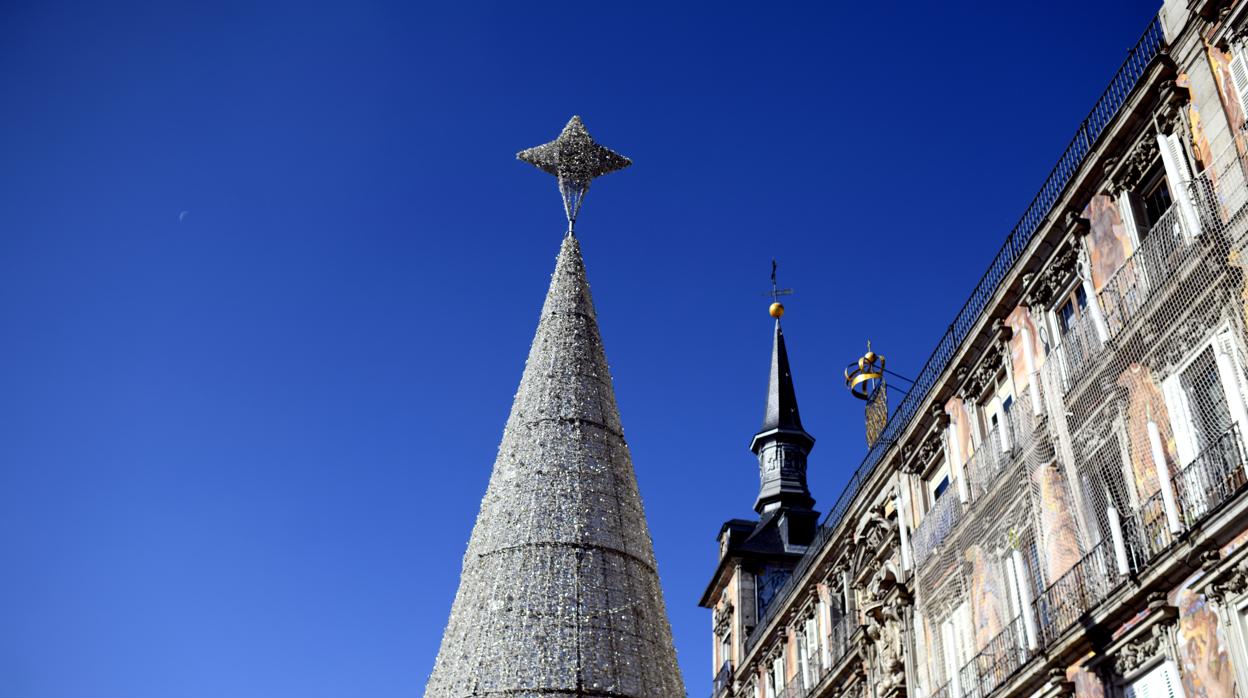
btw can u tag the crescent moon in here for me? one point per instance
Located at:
(182, 216)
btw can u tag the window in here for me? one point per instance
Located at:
(1204, 397)
(1071, 311)
(1211, 416)
(1104, 485)
(937, 483)
(777, 673)
(1155, 201)
(1162, 681)
(768, 581)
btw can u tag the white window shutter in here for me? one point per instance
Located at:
(1239, 79)
(1180, 418)
(1162, 681)
(1179, 177)
(1126, 210)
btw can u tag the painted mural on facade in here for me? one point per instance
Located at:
(1145, 403)
(1109, 244)
(1220, 64)
(988, 589)
(1018, 320)
(960, 428)
(1202, 649)
(1059, 534)
(1200, 142)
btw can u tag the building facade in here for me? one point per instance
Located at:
(1058, 506)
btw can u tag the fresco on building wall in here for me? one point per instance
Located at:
(1145, 401)
(1203, 663)
(1220, 63)
(1058, 530)
(990, 604)
(960, 426)
(1200, 142)
(1018, 319)
(1109, 243)
(1087, 683)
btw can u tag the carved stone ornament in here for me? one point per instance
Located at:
(883, 580)
(723, 620)
(1229, 585)
(884, 634)
(1053, 279)
(1185, 337)
(985, 372)
(1126, 173)
(932, 448)
(1139, 651)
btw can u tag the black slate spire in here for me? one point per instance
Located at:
(782, 444)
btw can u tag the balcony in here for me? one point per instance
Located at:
(1075, 355)
(937, 524)
(997, 661)
(1211, 480)
(1002, 448)
(1149, 266)
(723, 679)
(1075, 593)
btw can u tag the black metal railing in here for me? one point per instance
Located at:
(723, 679)
(1212, 478)
(1090, 129)
(1075, 593)
(945, 691)
(1148, 267)
(937, 524)
(795, 688)
(1154, 535)
(996, 662)
(1076, 354)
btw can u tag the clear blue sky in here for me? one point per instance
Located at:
(241, 452)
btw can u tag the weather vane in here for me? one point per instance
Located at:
(865, 380)
(576, 160)
(777, 308)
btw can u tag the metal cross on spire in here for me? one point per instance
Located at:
(776, 308)
(576, 160)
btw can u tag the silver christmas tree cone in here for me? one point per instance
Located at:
(559, 593)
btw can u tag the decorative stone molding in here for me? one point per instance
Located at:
(884, 632)
(918, 455)
(991, 362)
(1043, 287)
(1228, 585)
(1001, 332)
(1076, 224)
(1125, 173)
(1059, 684)
(723, 620)
(1135, 654)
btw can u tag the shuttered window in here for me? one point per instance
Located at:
(1162, 681)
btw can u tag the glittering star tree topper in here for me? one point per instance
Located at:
(576, 160)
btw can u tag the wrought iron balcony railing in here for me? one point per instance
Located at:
(937, 524)
(1216, 475)
(1212, 479)
(723, 679)
(1079, 590)
(997, 661)
(1079, 350)
(1148, 267)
